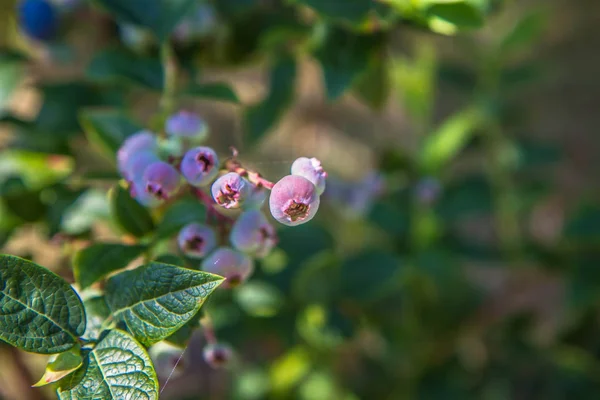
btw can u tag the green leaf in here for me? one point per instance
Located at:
(84, 212)
(213, 91)
(461, 76)
(463, 14)
(344, 55)
(300, 244)
(472, 195)
(39, 311)
(23, 203)
(182, 336)
(515, 76)
(128, 214)
(414, 80)
(100, 259)
(369, 275)
(373, 86)
(36, 170)
(448, 140)
(178, 215)
(525, 31)
(107, 129)
(159, 16)
(583, 227)
(117, 66)
(259, 299)
(61, 365)
(533, 153)
(117, 368)
(155, 300)
(262, 117)
(584, 282)
(59, 114)
(59, 199)
(392, 216)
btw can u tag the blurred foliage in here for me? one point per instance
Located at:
(379, 297)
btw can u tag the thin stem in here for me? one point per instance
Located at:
(232, 165)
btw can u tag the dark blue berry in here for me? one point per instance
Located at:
(38, 19)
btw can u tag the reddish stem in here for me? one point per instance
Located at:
(232, 165)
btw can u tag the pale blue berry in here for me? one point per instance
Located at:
(196, 240)
(161, 180)
(136, 164)
(294, 200)
(311, 169)
(200, 165)
(186, 124)
(137, 190)
(231, 190)
(217, 355)
(138, 142)
(234, 266)
(253, 234)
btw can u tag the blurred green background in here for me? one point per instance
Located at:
(456, 252)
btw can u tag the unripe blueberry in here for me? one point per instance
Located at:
(136, 164)
(294, 200)
(38, 19)
(230, 190)
(196, 240)
(253, 234)
(217, 355)
(311, 169)
(167, 359)
(234, 266)
(200, 165)
(186, 124)
(138, 142)
(161, 180)
(137, 190)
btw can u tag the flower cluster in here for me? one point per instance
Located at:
(159, 169)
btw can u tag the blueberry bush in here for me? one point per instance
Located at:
(189, 257)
